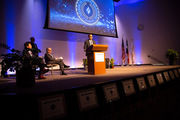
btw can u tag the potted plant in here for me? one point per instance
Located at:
(11, 61)
(112, 63)
(85, 63)
(172, 55)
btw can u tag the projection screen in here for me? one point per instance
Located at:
(83, 16)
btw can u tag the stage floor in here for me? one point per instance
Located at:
(78, 78)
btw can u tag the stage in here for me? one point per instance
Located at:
(79, 78)
(79, 95)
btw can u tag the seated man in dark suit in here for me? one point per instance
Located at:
(49, 59)
(29, 59)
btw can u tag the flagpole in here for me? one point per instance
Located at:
(132, 53)
(127, 51)
(123, 52)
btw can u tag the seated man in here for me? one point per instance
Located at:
(49, 59)
(29, 59)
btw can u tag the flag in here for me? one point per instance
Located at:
(123, 51)
(127, 51)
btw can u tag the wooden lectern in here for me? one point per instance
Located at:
(96, 59)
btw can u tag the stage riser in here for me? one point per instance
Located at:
(93, 101)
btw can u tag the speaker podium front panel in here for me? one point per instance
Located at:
(96, 60)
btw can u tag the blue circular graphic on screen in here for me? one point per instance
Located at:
(87, 11)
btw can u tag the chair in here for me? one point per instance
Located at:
(51, 66)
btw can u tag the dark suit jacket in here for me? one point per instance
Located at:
(34, 45)
(48, 58)
(35, 49)
(28, 59)
(87, 45)
(26, 54)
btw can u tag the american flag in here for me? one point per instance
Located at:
(123, 51)
(127, 51)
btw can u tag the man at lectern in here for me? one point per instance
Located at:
(88, 43)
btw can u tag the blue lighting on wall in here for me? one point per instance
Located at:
(72, 50)
(10, 25)
(36, 6)
(10, 35)
(137, 44)
(112, 49)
